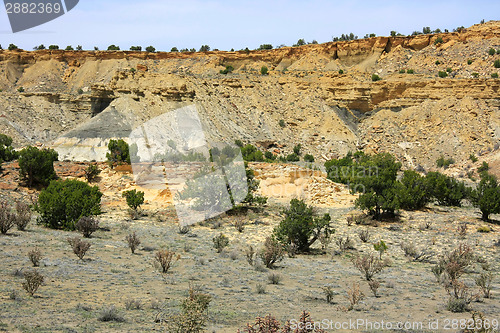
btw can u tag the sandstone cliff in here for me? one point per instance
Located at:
(81, 99)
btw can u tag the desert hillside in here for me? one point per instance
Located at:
(324, 93)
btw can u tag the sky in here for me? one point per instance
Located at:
(226, 24)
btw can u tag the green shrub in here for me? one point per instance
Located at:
(53, 47)
(297, 148)
(265, 47)
(494, 75)
(410, 71)
(308, 158)
(264, 70)
(486, 196)
(20, 89)
(204, 48)
(380, 247)
(341, 71)
(220, 242)
(293, 157)
(269, 156)
(37, 166)
(136, 48)
(64, 202)
(228, 69)
(118, 152)
(402, 71)
(150, 49)
(7, 152)
(475, 75)
(113, 47)
(300, 227)
(375, 77)
(491, 51)
(449, 70)
(438, 40)
(469, 62)
(13, 47)
(473, 158)
(442, 74)
(134, 198)
(412, 192)
(484, 229)
(250, 153)
(69, 48)
(438, 62)
(282, 123)
(91, 172)
(483, 168)
(376, 179)
(497, 63)
(446, 190)
(444, 163)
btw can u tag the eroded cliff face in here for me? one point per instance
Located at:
(85, 98)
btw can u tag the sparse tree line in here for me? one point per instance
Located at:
(384, 188)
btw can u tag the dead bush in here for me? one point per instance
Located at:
(374, 285)
(87, 225)
(329, 293)
(79, 246)
(164, 259)
(344, 243)
(354, 295)
(412, 253)
(7, 218)
(325, 238)
(133, 304)
(250, 253)
(368, 265)
(220, 242)
(23, 216)
(483, 281)
(110, 314)
(272, 252)
(33, 281)
(133, 241)
(274, 278)
(35, 256)
(364, 235)
(240, 225)
(462, 230)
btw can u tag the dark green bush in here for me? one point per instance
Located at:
(269, 156)
(91, 172)
(491, 51)
(410, 71)
(438, 40)
(13, 47)
(250, 153)
(469, 62)
(442, 74)
(118, 152)
(7, 152)
(64, 202)
(37, 166)
(264, 70)
(297, 148)
(497, 63)
(412, 192)
(494, 75)
(483, 168)
(204, 48)
(444, 163)
(309, 158)
(266, 47)
(402, 71)
(475, 75)
(446, 190)
(486, 196)
(228, 69)
(293, 157)
(134, 198)
(136, 48)
(150, 49)
(113, 47)
(375, 77)
(300, 227)
(341, 71)
(53, 47)
(376, 180)
(69, 48)
(282, 123)
(174, 49)
(473, 158)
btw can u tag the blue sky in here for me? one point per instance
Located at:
(237, 24)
